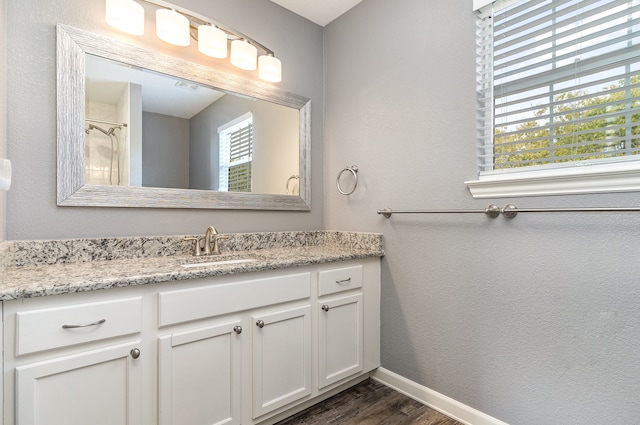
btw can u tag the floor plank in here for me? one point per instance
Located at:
(369, 403)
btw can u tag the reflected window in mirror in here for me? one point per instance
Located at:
(236, 154)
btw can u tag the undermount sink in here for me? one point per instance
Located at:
(219, 262)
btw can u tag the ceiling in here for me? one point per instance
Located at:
(161, 94)
(319, 11)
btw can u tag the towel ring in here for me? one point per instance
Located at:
(294, 177)
(353, 170)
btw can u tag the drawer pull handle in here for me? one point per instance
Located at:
(135, 353)
(325, 307)
(238, 329)
(260, 324)
(99, 322)
(343, 281)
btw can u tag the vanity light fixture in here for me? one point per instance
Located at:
(125, 15)
(173, 27)
(212, 41)
(270, 68)
(177, 26)
(243, 55)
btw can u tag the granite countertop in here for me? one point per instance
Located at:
(43, 268)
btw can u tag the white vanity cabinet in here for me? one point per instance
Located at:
(199, 375)
(267, 320)
(340, 324)
(98, 387)
(281, 358)
(74, 363)
(250, 348)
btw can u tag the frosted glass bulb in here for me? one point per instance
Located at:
(173, 27)
(243, 55)
(212, 41)
(125, 15)
(270, 68)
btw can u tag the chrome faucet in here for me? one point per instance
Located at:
(212, 236)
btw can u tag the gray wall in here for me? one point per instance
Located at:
(165, 151)
(203, 153)
(534, 320)
(31, 121)
(3, 116)
(275, 148)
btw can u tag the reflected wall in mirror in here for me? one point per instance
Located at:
(138, 128)
(148, 129)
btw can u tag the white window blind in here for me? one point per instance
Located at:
(236, 154)
(558, 84)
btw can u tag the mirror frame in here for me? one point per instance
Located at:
(72, 190)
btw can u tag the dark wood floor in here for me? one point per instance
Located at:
(369, 403)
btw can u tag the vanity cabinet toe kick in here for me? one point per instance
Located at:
(237, 349)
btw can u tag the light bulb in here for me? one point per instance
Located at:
(125, 15)
(270, 68)
(172, 27)
(243, 55)
(212, 41)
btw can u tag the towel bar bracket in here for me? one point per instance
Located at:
(509, 211)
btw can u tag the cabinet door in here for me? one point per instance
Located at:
(101, 387)
(200, 376)
(281, 358)
(340, 339)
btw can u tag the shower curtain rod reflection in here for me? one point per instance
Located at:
(509, 211)
(124, 124)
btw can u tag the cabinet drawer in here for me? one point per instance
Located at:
(337, 280)
(215, 300)
(45, 329)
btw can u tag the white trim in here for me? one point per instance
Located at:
(498, 4)
(235, 121)
(479, 4)
(440, 402)
(622, 177)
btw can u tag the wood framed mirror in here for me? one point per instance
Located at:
(77, 187)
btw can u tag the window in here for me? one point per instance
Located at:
(236, 154)
(558, 97)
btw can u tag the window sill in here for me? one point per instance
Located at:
(578, 180)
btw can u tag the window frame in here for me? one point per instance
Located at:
(578, 178)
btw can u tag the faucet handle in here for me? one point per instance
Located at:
(216, 247)
(196, 248)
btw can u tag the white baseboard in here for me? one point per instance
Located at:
(440, 402)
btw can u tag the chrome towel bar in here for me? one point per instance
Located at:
(509, 211)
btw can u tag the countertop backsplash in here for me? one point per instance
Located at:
(66, 251)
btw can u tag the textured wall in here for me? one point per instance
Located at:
(31, 132)
(3, 115)
(534, 320)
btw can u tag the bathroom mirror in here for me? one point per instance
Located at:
(188, 173)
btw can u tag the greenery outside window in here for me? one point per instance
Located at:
(236, 154)
(558, 97)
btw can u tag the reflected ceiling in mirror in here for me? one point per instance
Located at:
(132, 155)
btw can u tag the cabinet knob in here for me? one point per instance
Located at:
(260, 324)
(238, 329)
(135, 353)
(325, 307)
